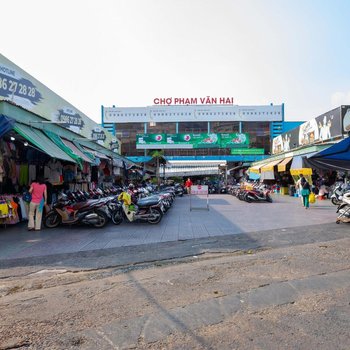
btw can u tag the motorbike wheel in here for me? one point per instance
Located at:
(158, 218)
(103, 219)
(268, 199)
(52, 220)
(334, 201)
(248, 199)
(117, 218)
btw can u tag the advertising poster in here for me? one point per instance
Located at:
(147, 139)
(234, 140)
(201, 140)
(22, 89)
(205, 140)
(345, 111)
(321, 129)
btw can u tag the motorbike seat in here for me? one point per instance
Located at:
(87, 204)
(145, 202)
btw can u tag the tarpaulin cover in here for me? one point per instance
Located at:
(336, 157)
(77, 151)
(6, 124)
(41, 141)
(96, 153)
(58, 141)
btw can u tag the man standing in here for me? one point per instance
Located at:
(188, 185)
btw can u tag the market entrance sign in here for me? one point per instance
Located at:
(206, 100)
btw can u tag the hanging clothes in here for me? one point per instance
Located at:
(23, 174)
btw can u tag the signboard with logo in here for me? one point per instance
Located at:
(321, 129)
(211, 140)
(199, 189)
(21, 88)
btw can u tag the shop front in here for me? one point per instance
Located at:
(30, 149)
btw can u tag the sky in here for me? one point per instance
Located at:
(128, 52)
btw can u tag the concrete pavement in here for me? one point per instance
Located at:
(227, 216)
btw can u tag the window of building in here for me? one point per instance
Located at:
(224, 127)
(259, 134)
(193, 127)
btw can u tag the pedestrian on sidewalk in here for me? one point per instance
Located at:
(36, 206)
(188, 185)
(305, 192)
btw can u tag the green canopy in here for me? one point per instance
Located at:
(58, 141)
(41, 141)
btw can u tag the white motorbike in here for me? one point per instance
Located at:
(344, 209)
(339, 190)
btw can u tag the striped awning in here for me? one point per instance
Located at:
(283, 165)
(256, 169)
(270, 166)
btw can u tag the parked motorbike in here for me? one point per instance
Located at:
(257, 196)
(89, 212)
(223, 190)
(147, 209)
(179, 190)
(339, 190)
(344, 209)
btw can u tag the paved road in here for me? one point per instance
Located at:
(243, 276)
(227, 216)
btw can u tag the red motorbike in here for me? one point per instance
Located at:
(255, 195)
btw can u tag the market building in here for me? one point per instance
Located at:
(42, 135)
(197, 139)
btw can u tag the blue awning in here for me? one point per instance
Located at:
(340, 151)
(336, 157)
(6, 124)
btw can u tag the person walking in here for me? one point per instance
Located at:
(188, 185)
(305, 192)
(36, 206)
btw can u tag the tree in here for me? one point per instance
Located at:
(158, 155)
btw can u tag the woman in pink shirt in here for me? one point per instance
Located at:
(36, 206)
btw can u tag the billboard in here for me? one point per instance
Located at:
(19, 87)
(345, 113)
(189, 140)
(323, 128)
